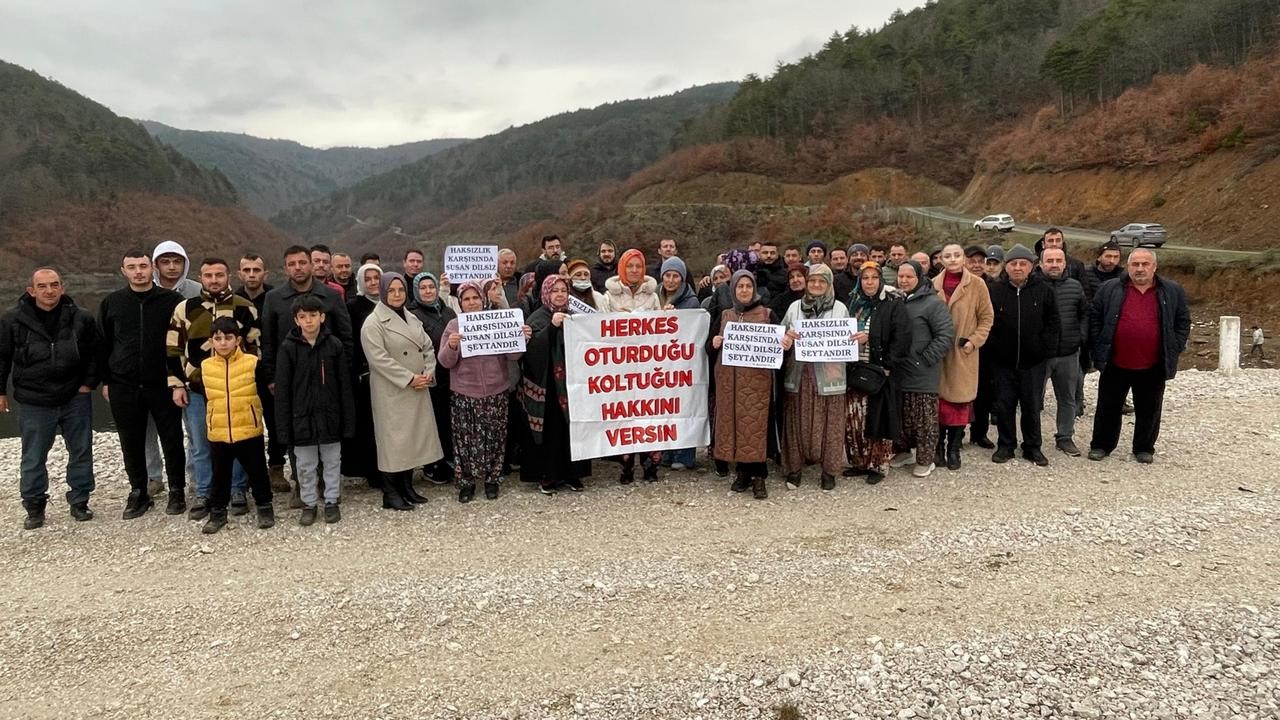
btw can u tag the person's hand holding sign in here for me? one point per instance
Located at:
(528, 332)
(454, 340)
(557, 320)
(789, 339)
(717, 341)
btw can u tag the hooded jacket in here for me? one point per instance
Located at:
(134, 327)
(314, 401)
(47, 371)
(932, 335)
(186, 287)
(601, 272)
(1025, 332)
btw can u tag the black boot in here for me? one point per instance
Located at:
(828, 482)
(628, 471)
(741, 482)
(491, 490)
(177, 502)
(466, 493)
(35, 513)
(266, 516)
(940, 452)
(410, 494)
(80, 512)
(651, 472)
(758, 489)
(217, 520)
(138, 503)
(391, 497)
(955, 438)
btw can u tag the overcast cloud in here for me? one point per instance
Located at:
(388, 71)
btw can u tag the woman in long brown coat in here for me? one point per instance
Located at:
(742, 394)
(967, 298)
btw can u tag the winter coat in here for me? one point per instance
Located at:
(47, 371)
(889, 346)
(277, 319)
(971, 317)
(600, 274)
(315, 402)
(932, 335)
(1175, 321)
(1094, 277)
(134, 326)
(359, 309)
(479, 376)
(1073, 315)
(1026, 327)
(844, 285)
(187, 342)
(233, 409)
(772, 277)
(397, 349)
(742, 398)
(830, 376)
(620, 298)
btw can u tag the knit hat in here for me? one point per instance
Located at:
(995, 252)
(674, 263)
(859, 247)
(1019, 252)
(813, 244)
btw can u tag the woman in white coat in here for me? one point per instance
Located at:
(402, 363)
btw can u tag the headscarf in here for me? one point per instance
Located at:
(718, 268)
(862, 305)
(417, 280)
(526, 286)
(733, 291)
(919, 273)
(796, 268)
(360, 278)
(388, 278)
(547, 285)
(472, 285)
(488, 304)
(622, 266)
(816, 306)
(736, 260)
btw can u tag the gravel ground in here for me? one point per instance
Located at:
(1091, 590)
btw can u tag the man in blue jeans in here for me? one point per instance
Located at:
(188, 345)
(48, 348)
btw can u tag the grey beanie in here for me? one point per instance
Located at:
(1020, 252)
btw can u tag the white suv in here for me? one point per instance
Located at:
(999, 223)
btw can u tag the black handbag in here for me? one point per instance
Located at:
(865, 377)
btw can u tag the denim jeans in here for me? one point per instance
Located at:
(38, 425)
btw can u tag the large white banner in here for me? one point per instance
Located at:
(470, 262)
(826, 340)
(491, 332)
(637, 382)
(752, 345)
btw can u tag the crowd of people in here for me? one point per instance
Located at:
(353, 370)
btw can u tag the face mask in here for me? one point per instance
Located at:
(582, 285)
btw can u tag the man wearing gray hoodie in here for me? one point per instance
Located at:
(171, 265)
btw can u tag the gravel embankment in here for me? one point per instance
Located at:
(1090, 590)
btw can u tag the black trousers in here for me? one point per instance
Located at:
(1114, 385)
(252, 459)
(130, 408)
(983, 402)
(275, 451)
(1018, 391)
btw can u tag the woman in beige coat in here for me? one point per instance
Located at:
(967, 298)
(402, 363)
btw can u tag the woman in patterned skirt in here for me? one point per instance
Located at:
(884, 333)
(478, 386)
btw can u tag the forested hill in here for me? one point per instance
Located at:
(579, 149)
(58, 146)
(272, 175)
(79, 183)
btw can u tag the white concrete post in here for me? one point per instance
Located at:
(1228, 344)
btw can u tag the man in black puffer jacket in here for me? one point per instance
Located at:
(1063, 366)
(48, 346)
(134, 322)
(1023, 336)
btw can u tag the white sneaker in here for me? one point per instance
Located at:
(923, 471)
(903, 459)
(678, 466)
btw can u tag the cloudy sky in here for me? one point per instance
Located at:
(387, 71)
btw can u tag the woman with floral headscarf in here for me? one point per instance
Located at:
(545, 397)
(402, 365)
(743, 400)
(435, 313)
(478, 387)
(813, 419)
(359, 453)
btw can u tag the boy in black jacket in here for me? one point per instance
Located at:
(315, 407)
(134, 322)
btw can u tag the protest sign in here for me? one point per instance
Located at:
(492, 332)
(752, 345)
(826, 340)
(637, 382)
(470, 262)
(577, 307)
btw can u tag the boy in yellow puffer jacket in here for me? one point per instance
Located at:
(235, 426)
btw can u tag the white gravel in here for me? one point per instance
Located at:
(1091, 590)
